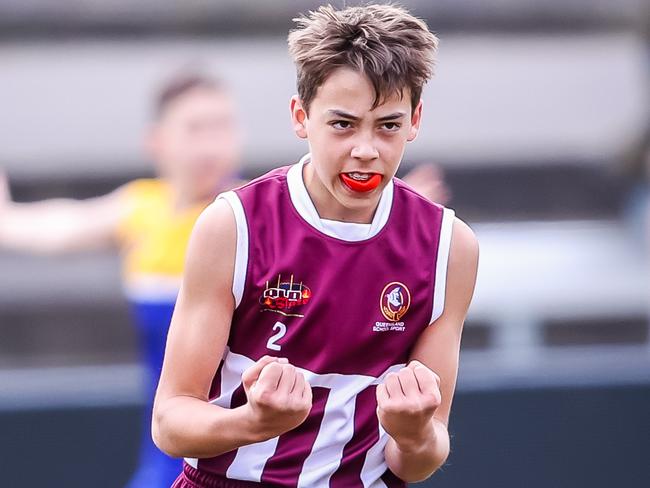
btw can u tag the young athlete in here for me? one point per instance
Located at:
(316, 334)
(195, 144)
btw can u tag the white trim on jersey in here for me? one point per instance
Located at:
(374, 465)
(346, 231)
(250, 460)
(444, 245)
(230, 381)
(231, 373)
(241, 256)
(336, 427)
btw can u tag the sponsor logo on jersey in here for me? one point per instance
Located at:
(394, 302)
(285, 297)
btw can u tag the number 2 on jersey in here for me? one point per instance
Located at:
(281, 331)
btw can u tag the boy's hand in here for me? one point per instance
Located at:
(279, 396)
(406, 402)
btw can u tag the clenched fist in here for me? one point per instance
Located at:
(279, 396)
(406, 402)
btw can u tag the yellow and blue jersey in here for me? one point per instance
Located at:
(153, 239)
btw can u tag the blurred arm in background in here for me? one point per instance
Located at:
(60, 225)
(64, 225)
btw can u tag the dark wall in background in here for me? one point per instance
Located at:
(544, 438)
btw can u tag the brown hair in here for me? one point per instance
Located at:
(180, 84)
(386, 43)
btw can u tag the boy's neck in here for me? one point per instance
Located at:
(328, 207)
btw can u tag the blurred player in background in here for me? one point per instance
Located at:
(316, 336)
(195, 144)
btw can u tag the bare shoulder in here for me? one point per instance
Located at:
(462, 269)
(216, 224)
(212, 247)
(464, 244)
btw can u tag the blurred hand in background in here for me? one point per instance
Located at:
(429, 181)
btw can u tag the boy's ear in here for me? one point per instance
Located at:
(416, 118)
(298, 117)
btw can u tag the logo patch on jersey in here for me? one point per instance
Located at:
(394, 302)
(285, 297)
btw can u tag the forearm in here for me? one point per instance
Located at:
(186, 426)
(50, 227)
(417, 459)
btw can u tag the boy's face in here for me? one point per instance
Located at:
(196, 142)
(355, 151)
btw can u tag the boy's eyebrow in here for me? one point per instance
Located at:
(344, 115)
(396, 115)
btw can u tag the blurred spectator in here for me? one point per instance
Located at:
(195, 143)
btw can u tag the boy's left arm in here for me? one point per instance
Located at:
(413, 405)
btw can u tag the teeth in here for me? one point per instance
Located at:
(359, 176)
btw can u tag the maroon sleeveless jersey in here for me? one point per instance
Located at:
(345, 303)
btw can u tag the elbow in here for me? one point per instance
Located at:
(162, 433)
(157, 435)
(423, 476)
(420, 475)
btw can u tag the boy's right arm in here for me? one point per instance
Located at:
(59, 225)
(185, 423)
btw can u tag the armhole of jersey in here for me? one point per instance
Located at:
(440, 281)
(241, 253)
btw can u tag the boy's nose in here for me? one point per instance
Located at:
(365, 151)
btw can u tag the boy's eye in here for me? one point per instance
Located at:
(341, 124)
(391, 126)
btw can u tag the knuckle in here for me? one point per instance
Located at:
(422, 368)
(264, 398)
(264, 393)
(272, 368)
(430, 402)
(298, 405)
(438, 399)
(406, 373)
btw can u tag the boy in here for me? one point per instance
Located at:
(316, 335)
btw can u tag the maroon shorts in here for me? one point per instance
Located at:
(193, 478)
